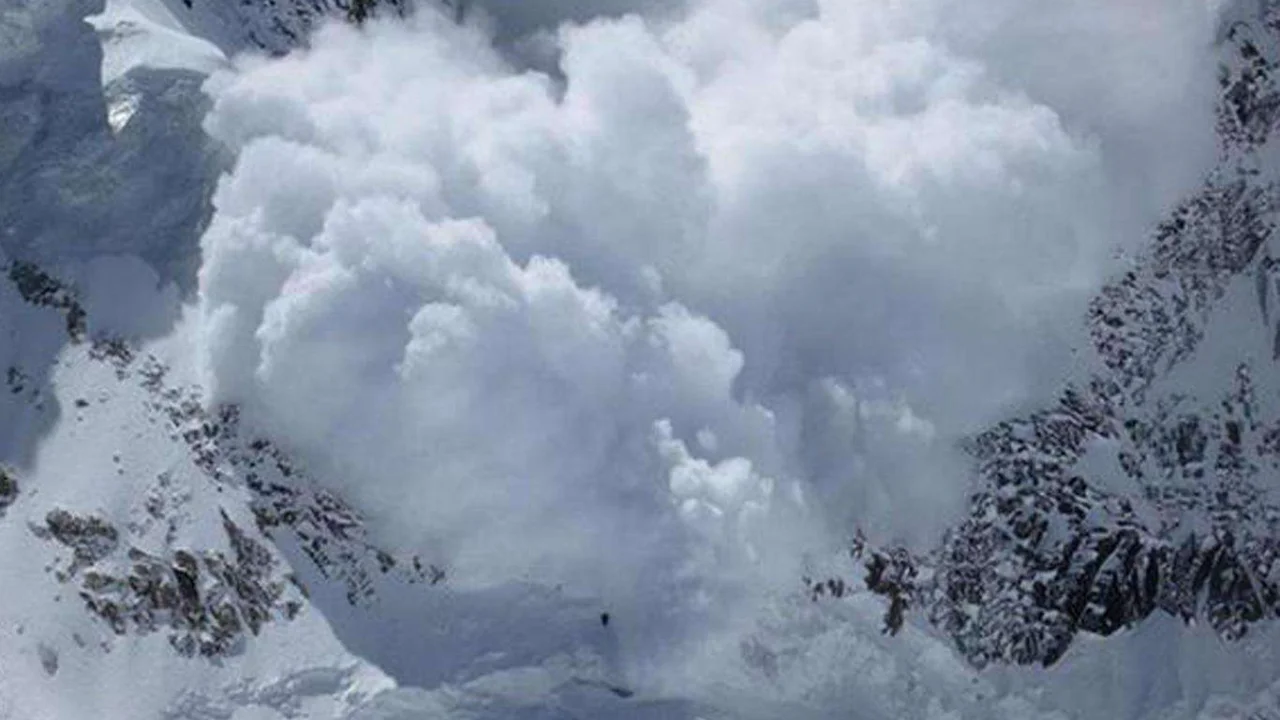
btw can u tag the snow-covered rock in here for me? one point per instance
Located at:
(1153, 487)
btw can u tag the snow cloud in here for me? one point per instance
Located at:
(738, 275)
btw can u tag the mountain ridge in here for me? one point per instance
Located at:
(1048, 550)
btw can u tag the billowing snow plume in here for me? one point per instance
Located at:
(726, 284)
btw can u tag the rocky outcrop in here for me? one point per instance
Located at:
(43, 290)
(1046, 553)
(89, 537)
(8, 490)
(208, 600)
(277, 26)
(287, 504)
(1185, 524)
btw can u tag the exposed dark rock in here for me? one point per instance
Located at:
(8, 489)
(16, 379)
(42, 289)
(1048, 550)
(89, 537)
(206, 600)
(209, 601)
(277, 26)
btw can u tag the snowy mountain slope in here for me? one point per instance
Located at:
(68, 170)
(147, 529)
(166, 538)
(84, 160)
(151, 540)
(1153, 485)
(122, 560)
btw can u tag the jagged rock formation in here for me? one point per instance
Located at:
(1052, 548)
(279, 25)
(90, 538)
(43, 290)
(285, 500)
(206, 599)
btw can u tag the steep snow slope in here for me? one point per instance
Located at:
(83, 162)
(110, 495)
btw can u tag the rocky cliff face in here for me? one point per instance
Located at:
(279, 25)
(1151, 487)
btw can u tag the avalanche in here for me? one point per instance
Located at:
(854, 359)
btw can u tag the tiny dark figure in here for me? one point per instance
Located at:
(358, 11)
(604, 619)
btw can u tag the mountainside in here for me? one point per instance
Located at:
(165, 557)
(1152, 485)
(154, 526)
